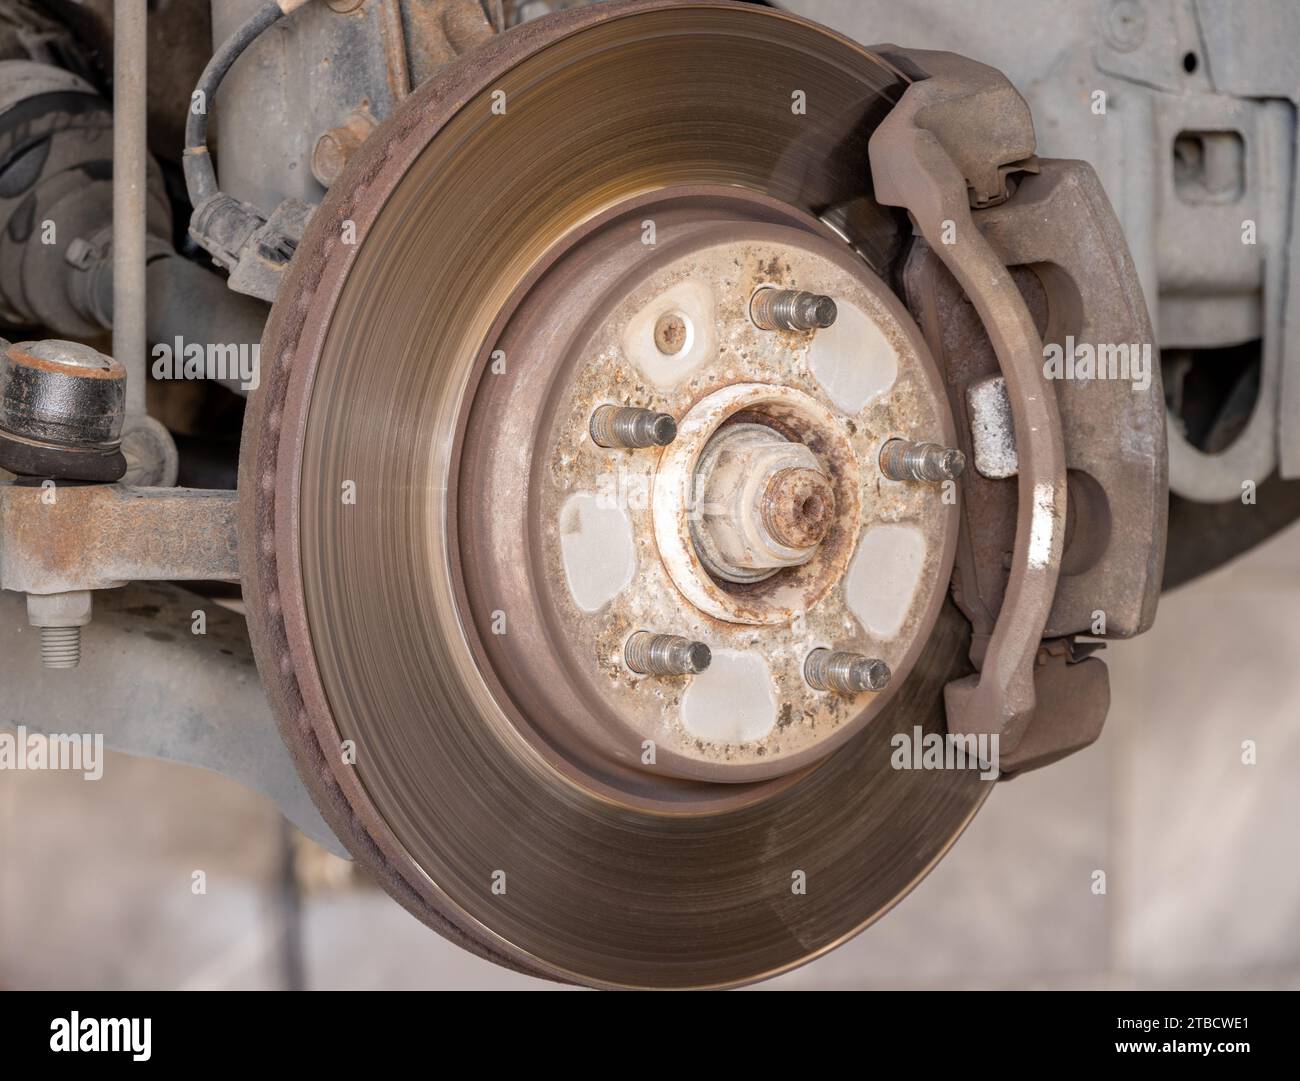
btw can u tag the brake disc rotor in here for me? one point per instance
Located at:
(440, 624)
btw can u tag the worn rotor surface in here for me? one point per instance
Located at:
(422, 754)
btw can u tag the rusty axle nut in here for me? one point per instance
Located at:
(623, 426)
(791, 309)
(901, 459)
(650, 654)
(799, 507)
(846, 673)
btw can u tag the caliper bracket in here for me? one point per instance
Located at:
(1064, 516)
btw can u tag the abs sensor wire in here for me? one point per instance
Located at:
(200, 177)
(221, 223)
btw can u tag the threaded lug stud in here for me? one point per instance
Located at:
(60, 647)
(650, 654)
(623, 426)
(791, 309)
(845, 673)
(901, 459)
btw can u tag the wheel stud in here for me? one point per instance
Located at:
(623, 426)
(650, 654)
(847, 673)
(791, 309)
(901, 459)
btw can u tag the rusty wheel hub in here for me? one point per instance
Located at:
(573, 684)
(764, 530)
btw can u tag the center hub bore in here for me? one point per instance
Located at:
(757, 502)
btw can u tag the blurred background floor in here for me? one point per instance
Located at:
(1200, 852)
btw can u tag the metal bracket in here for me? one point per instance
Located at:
(947, 144)
(60, 538)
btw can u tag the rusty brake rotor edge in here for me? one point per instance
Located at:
(354, 609)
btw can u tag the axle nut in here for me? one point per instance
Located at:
(766, 503)
(799, 507)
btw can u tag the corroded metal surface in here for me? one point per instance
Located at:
(745, 380)
(358, 609)
(61, 408)
(675, 492)
(67, 537)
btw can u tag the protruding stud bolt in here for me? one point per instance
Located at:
(60, 616)
(791, 309)
(622, 426)
(60, 647)
(901, 459)
(650, 654)
(847, 673)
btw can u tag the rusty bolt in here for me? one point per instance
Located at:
(791, 309)
(847, 673)
(763, 503)
(901, 459)
(624, 426)
(650, 654)
(672, 334)
(334, 149)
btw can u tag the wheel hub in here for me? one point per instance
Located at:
(777, 439)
